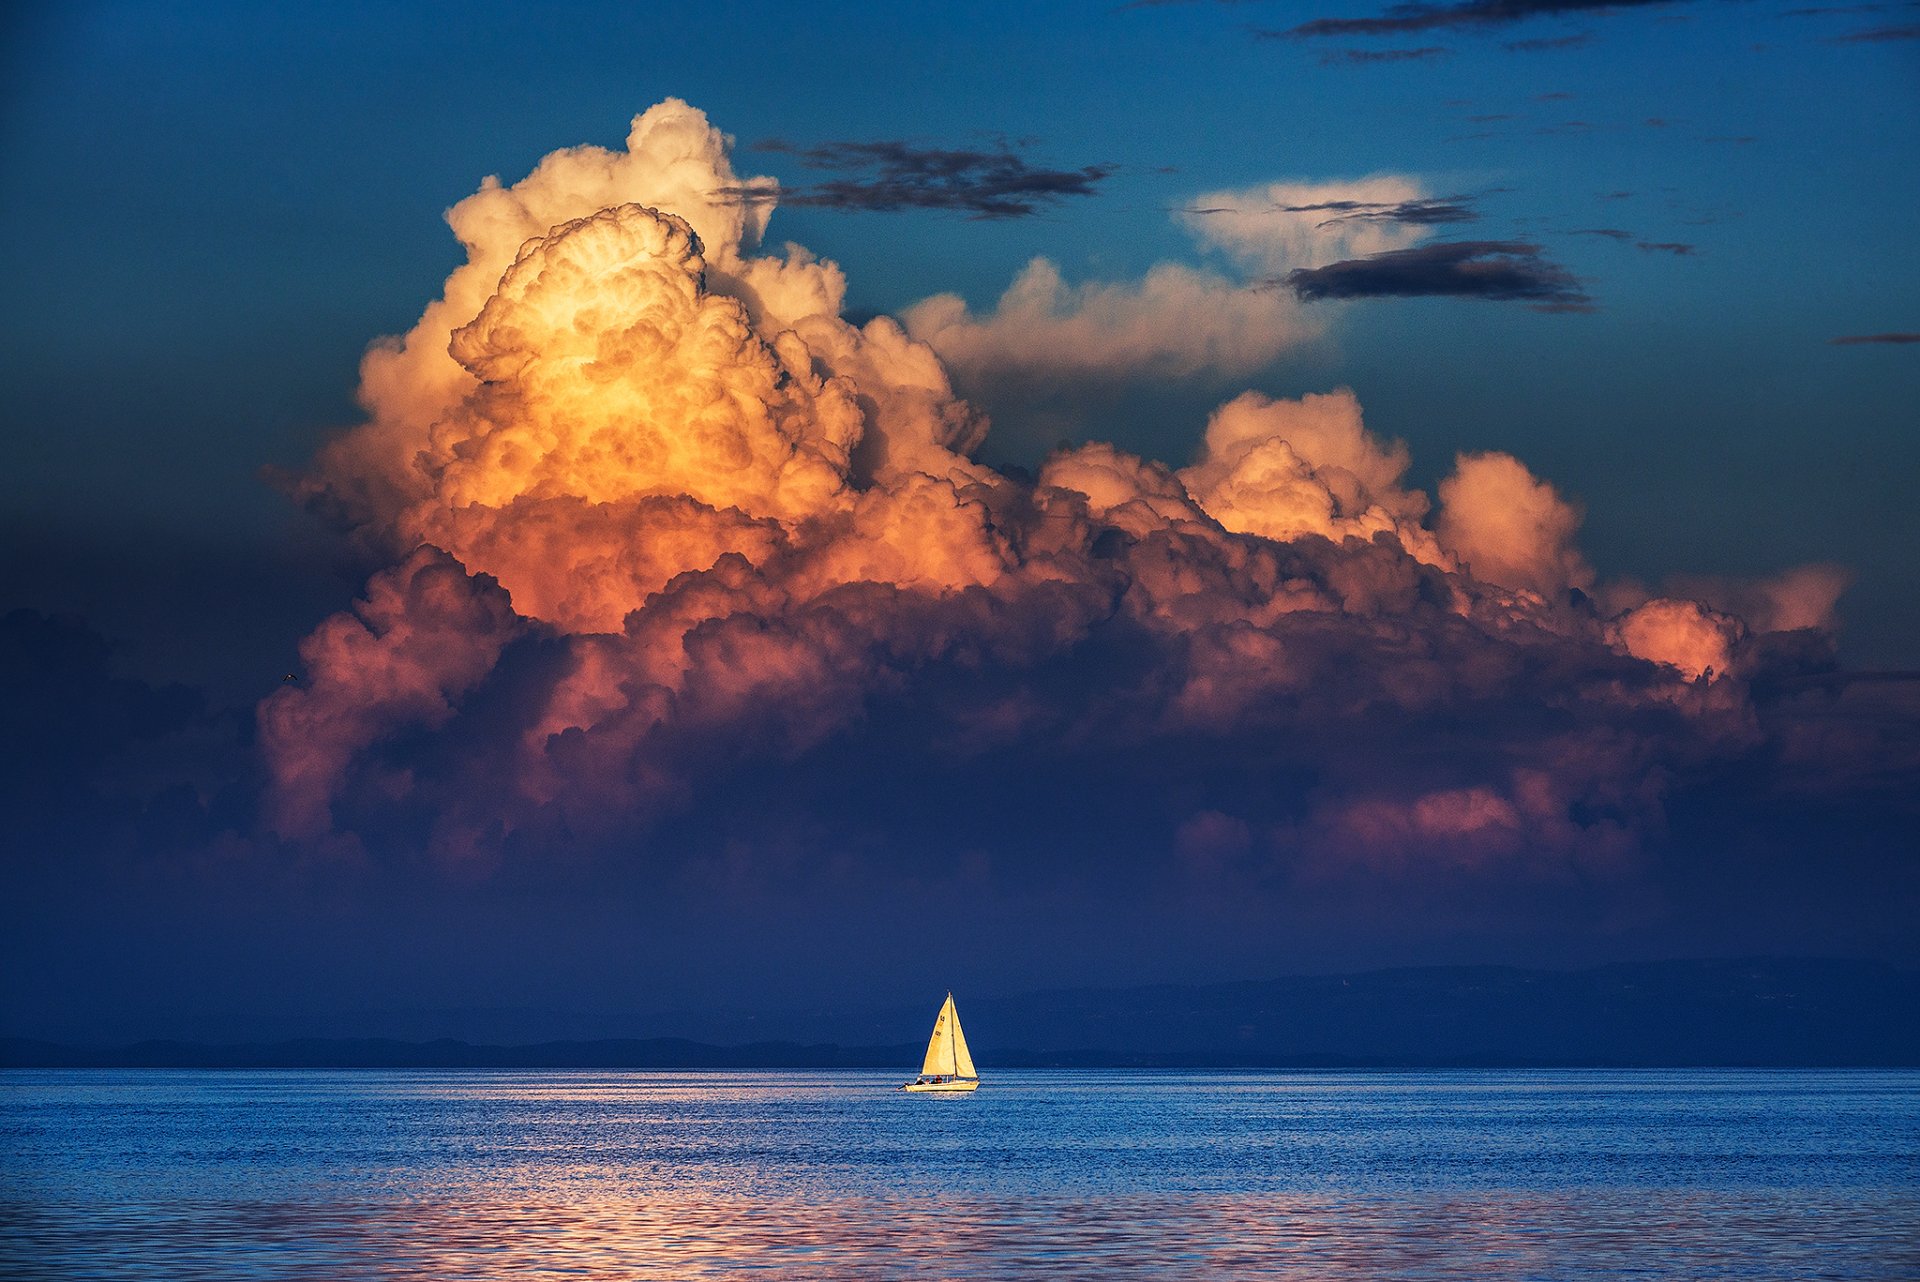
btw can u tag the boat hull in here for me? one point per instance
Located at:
(944, 1088)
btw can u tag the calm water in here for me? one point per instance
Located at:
(1496, 1175)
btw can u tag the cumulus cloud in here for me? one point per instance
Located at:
(1175, 322)
(1283, 469)
(1180, 321)
(1509, 527)
(426, 633)
(673, 160)
(660, 517)
(1793, 600)
(1484, 825)
(1684, 635)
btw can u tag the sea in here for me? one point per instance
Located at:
(1562, 1175)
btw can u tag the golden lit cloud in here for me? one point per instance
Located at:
(716, 519)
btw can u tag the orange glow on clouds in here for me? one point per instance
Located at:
(622, 428)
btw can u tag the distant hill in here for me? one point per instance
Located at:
(1759, 1012)
(659, 1052)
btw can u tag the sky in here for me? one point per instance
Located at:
(601, 513)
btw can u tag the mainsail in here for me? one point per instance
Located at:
(947, 1054)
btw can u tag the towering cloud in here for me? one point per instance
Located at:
(1510, 527)
(1283, 469)
(661, 518)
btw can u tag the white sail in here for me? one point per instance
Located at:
(948, 1068)
(962, 1058)
(941, 1054)
(947, 1053)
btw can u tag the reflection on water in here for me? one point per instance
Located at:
(1323, 1176)
(1166, 1237)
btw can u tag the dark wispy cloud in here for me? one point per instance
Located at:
(59, 692)
(1878, 35)
(1552, 42)
(1678, 248)
(1364, 57)
(1856, 340)
(1427, 212)
(1404, 18)
(1507, 270)
(889, 175)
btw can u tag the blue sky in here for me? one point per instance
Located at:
(226, 202)
(214, 209)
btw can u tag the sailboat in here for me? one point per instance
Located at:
(948, 1066)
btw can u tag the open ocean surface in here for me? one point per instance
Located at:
(1335, 1175)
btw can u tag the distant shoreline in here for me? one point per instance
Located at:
(1725, 1013)
(674, 1055)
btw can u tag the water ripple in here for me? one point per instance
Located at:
(666, 1176)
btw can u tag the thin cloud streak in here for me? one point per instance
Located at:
(1366, 57)
(1404, 18)
(1420, 213)
(1825, 10)
(1549, 43)
(1678, 248)
(1878, 35)
(888, 176)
